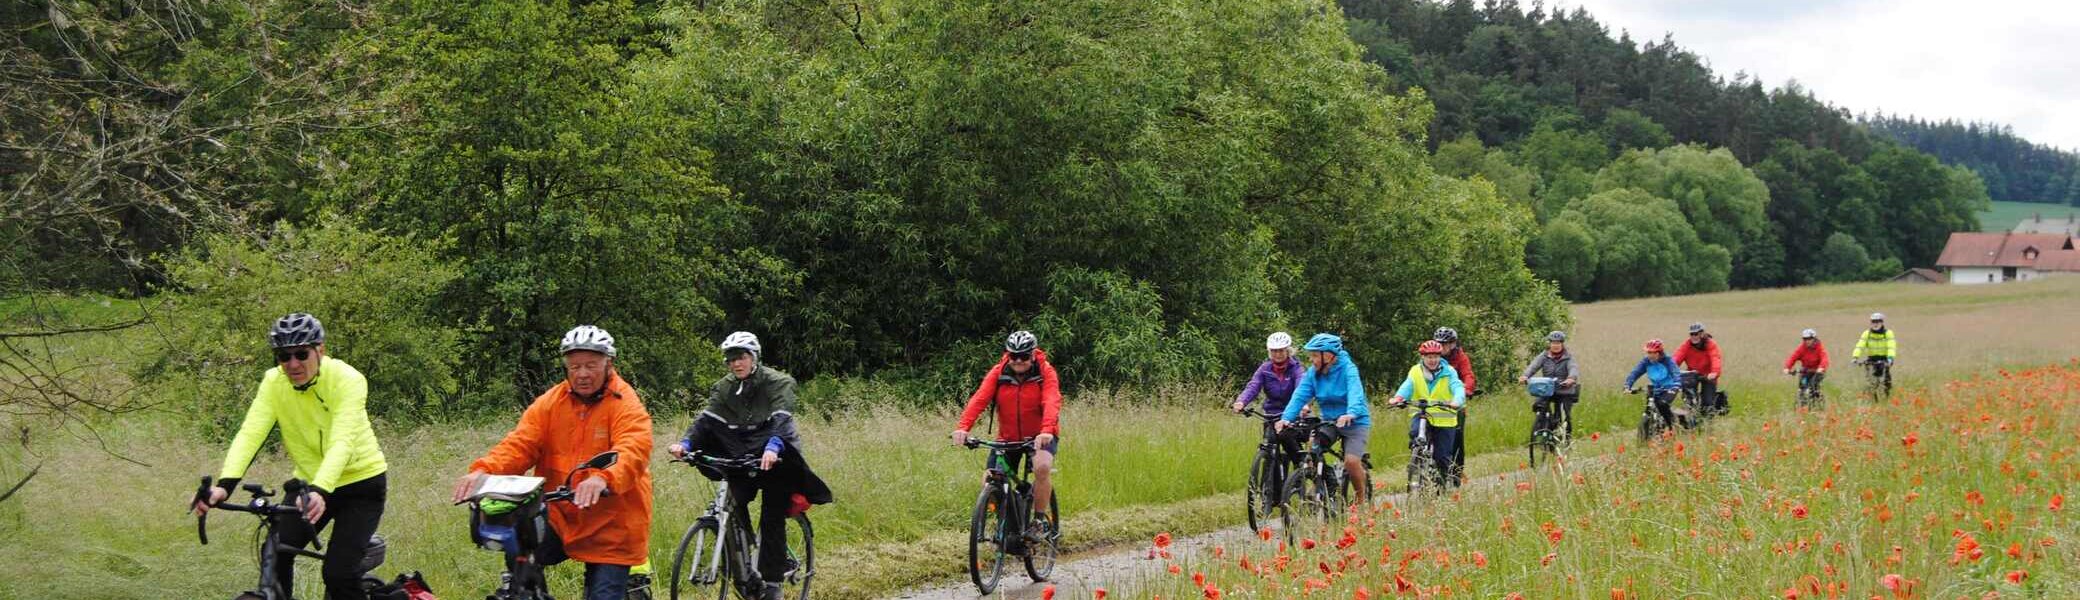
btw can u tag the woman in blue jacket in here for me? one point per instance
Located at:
(1663, 377)
(1334, 387)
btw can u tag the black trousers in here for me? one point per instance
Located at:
(353, 510)
(775, 490)
(1560, 407)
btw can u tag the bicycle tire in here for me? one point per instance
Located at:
(805, 569)
(687, 571)
(1040, 557)
(986, 517)
(1257, 501)
(1422, 470)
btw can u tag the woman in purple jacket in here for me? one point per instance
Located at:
(1275, 380)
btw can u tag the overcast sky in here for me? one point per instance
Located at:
(2007, 61)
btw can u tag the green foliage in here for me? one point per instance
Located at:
(1565, 254)
(1625, 129)
(1922, 201)
(1723, 201)
(1841, 259)
(1644, 247)
(2013, 168)
(518, 145)
(370, 289)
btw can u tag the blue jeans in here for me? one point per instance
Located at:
(1444, 449)
(602, 582)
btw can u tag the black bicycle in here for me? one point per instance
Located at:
(1423, 474)
(1265, 496)
(998, 528)
(508, 513)
(1877, 377)
(1660, 414)
(1548, 424)
(268, 543)
(1809, 394)
(1318, 483)
(720, 546)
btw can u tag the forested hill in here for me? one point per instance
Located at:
(1648, 173)
(2015, 169)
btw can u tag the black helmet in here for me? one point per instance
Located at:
(1021, 341)
(1557, 336)
(297, 329)
(1445, 335)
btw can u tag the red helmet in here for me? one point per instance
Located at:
(1653, 345)
(1430, 347)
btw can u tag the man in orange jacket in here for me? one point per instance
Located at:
(606, 525)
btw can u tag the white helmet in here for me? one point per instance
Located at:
(1877, 316)
(587, 337)
(742, 339)
(1808, 334)
(1278, 341)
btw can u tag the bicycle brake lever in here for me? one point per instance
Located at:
(201, 519)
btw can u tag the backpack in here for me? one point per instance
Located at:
(408, 586)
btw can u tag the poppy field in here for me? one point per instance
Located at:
(1957, 491)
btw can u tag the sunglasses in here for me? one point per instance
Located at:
(282, 356)
(1022, 357)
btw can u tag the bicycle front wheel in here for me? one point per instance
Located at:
(1422, 469)
(1262, 493)
(1040, 554)
(986, 542)
(693, 563)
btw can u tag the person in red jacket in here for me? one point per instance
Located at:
(1701, 355)
(1027, 396)
(1810, 358)
(1456, 355)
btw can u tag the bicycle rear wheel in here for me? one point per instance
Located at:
(986, 542)
(691, 563)
(1040, 554)
(801, 548)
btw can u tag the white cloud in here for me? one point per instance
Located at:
(2015, 62)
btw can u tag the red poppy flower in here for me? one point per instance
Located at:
(1479, 559)
(2058, 501)
(1047, 593)
(1798, 511)
(1163, 540)
(1264, 533)
(1307, 543)
(1098, 594)
(2016, 576)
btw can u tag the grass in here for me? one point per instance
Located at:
(1133, 464)
(2003, 216)
(1950, 491)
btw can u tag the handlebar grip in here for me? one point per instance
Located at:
(201, 519)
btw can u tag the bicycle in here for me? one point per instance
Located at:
(1422, 462)
(721, 547)
(1264, 498)
(997, 529)
(1877, 375)
(1549, 425)
(508, 513)
(1659, 415)
(1809, 394)
(269, 544)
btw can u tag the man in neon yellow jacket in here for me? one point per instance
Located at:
(320, 403)
(1878, 349)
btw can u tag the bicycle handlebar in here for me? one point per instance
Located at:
(257, 505)
(697, 459)
(973, 443)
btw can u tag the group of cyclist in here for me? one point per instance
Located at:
(319, 403)
(1442, 380)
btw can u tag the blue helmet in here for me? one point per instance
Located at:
(1324, 342)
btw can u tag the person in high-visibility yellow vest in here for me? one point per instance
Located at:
(1437, 383)
(1878, 349)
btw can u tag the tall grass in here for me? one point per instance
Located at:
(1133, 463)
(1953, 491)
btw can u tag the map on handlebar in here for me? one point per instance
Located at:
(506, 487)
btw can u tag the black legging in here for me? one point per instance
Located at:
(356, 509)
(1560, 406)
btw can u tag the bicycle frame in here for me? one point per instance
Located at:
(523, 577)
(271, 546)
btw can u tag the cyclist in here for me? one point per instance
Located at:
(1663, 376)
(1333, 385)
(1457, 357)
(1438, 383)
(321, 404)
(750, 411)
(1701, 356)
(1809, 356)
(606, 525)
(1879, 348)
(1027, 396)
(1274, 380)
(1558, 363)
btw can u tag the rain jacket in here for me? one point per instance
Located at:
(1813, 359)
(1027, 405)
(746, 417)
(1339, 392)
(558, 432)
(1275, 384)
(1442, 386)
(1876, 344)
(324, 427)
(1703, 361)
(1661, 375)
(1463, 365)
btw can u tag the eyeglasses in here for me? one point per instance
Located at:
(283, 356)
(1022, 357)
